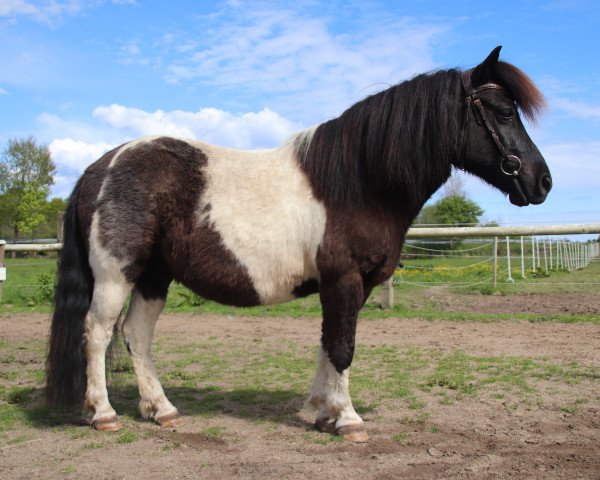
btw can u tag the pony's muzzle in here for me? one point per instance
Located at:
(544, 185)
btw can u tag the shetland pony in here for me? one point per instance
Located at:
(325, 213)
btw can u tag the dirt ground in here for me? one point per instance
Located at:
(475, 438)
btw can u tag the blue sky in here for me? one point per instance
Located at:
(86, 75)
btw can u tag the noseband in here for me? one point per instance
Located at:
(481, 117)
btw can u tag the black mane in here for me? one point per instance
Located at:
(396, 145)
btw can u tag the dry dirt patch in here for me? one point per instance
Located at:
(493, 434)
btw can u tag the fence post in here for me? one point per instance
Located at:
(545, 257)
(550, 252)
(495, 275)
(60, 221)
(522, 259)
(387, 294)
(509, 279)
(559, 255)
(2, 267)
(533, 254)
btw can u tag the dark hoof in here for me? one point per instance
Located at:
(171, 420)
(107, 424)
(354, 433)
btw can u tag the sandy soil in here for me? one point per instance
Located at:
(475, 438)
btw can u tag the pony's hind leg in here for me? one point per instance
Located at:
(138, 331)
(107, 302)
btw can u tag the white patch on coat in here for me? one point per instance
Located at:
(330, 394)
(138, 331)
(262, 206)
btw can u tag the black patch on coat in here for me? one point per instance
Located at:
(306, 288)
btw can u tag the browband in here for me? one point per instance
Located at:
(468, 86)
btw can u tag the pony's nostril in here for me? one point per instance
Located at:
(546, 183)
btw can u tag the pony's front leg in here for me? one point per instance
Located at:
(341, 301)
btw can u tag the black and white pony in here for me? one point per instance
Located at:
(327, 212)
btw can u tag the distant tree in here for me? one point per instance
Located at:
(453, 208)
(456, 210)
(31, 209)
(26, 174)
(425, 216)
(491, 223)
(454, 186)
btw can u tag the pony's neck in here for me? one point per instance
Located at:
(394, 148)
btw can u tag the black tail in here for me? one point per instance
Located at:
(66, 364)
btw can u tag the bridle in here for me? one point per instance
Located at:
(474, 103)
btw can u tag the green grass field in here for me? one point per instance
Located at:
(29, 287)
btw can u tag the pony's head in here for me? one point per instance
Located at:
(495, 145)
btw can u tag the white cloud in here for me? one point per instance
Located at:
(51, 127)
(45, 11)
(3, 92)
(75, 155)
(131, 54)
(578, 109)
(295, 57)
(262, 129)
(574, 166)
(17, 7)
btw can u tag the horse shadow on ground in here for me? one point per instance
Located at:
(280, 406)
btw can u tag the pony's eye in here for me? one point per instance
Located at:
(506, 115)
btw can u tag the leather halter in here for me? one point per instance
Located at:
(481, 117)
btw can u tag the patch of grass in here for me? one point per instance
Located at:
(69, 470)
(171, 446)
(572, 409)
(214, 431)
(8, 359)
(323, 438)
(8, 416)
(95, 445)
(416, 404)
(401, 437)
(75, 433)
(9, 375)
(19, 395)
(452, 372)
(19, 439)
(127, 436)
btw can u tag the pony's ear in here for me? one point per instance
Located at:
(482, 73)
